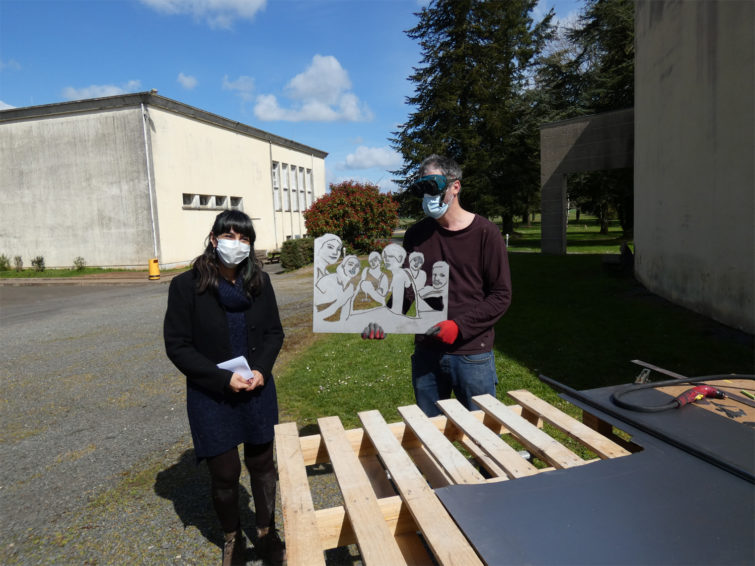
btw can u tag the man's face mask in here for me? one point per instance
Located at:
(431, 189)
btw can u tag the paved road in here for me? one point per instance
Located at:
(87, 393)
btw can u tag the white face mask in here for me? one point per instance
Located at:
(232, 252)
(434, 206)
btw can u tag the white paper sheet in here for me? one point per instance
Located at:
(238, 365)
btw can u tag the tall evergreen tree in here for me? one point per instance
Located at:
(470, 99)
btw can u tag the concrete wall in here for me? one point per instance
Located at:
(75, 185)
(694, 156)
(588, 143)
(193, 157)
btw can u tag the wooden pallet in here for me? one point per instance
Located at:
(387, 474)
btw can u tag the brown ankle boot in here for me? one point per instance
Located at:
(234, 549)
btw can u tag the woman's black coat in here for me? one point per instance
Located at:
(197, 339)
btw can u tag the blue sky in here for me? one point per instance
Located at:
(331, 74)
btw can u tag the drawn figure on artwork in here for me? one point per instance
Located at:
(430, 298)
(333, 291)
(327, 252)
(418, 275)
(367, 295)
(392, 286)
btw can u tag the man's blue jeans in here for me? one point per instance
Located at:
(435, 375)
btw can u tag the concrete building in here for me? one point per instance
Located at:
(695, 155)
(693, 151)
(124, 179)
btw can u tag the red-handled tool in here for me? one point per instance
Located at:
(697, 393)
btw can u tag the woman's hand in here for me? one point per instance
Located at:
(239, 384)
(257, 380)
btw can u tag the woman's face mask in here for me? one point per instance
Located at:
(232, 252)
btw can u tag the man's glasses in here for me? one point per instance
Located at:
(432, 185)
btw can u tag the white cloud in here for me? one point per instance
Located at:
(219, 14)
(244, 86)
(10, 65)
(4, 106)
(320, 94)
(98, 91)
(187, 81)
(367, 157)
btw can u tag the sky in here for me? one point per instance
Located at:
(331, 74)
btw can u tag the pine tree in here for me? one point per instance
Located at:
(471, 103)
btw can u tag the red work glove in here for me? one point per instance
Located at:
(446, 331)
(373, 331)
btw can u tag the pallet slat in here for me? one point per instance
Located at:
(446, 541)
(448, 456)
(504, 455)
(376, 543)
(595, 441)
(303, 544)
(535, 440)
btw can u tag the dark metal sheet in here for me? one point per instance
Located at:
(687, 498)
(713, 437)
(660, 506)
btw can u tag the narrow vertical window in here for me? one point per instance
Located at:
(276, 186)
(284, 183)
(302, 198)
(294, 189)
(308, 181)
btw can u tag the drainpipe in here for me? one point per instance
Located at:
(275, 222)
(149, 179)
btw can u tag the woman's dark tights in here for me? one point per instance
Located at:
(225, 471)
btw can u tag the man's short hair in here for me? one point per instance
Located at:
(447, 166)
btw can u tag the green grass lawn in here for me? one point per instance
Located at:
(581, 237)
(54, 272)
(570, 319)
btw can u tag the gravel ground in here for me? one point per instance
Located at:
(97, 461)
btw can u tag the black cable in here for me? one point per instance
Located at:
(673, 404)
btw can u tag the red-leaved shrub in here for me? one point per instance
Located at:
(359, 213)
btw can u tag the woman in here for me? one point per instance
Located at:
(224, 307)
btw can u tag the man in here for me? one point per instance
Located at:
(456, 355)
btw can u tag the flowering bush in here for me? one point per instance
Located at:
(357, 212)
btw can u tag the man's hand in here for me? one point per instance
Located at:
(446, 331)
(373, 331)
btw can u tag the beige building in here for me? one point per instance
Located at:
(123, 179)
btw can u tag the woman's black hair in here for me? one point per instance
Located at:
(206, 265)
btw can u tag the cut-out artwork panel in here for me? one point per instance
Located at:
(400, 293)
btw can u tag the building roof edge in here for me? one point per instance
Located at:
(150, 98)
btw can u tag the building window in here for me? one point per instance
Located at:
(284, 183)
(190, 201)
(212, 202)
(294, 189)
(302, 197)
(308, 183)
(276, 186)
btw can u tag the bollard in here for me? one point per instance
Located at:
(154, 270)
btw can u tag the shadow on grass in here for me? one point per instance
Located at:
(573, 321)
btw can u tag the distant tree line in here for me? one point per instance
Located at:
(490, 76)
